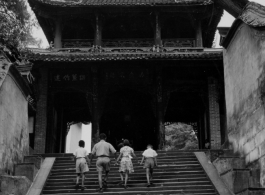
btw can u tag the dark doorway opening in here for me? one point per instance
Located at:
(128, 114)
(189, 108)
(66, 107)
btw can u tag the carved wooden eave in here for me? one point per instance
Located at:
(122, 54)
(252, 15)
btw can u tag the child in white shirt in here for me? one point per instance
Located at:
(82, 163)
(150, 162)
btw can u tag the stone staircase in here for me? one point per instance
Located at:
(177, 173)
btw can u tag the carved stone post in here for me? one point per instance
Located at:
(160, 109)
(95, 107)
(98, 30)
(199, 42)
(157, 29)
(58, 33)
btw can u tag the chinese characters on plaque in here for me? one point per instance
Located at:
(69, 77)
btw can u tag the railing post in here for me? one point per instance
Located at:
(98, 30)
(58, 33)
(157, 29)
(199, 42)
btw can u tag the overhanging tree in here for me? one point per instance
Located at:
(15, 23)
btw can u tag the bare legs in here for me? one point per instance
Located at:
(121, 175)
(126, 178)
(82, 175)
(100, 180)
(149, 175)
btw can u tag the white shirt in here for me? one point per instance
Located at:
(149, 153)
(80, 152)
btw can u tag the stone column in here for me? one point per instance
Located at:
(214, 114)
(199, 42)
(157, 29)
(41, 113)
(98, 30)
(95, 107)
(160, 109)
(58, 33)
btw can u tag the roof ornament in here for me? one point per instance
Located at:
(96, 49)
(51, 45)
(158, 48)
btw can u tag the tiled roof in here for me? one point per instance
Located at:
(83, 57)
(253, 15)
(74, 3)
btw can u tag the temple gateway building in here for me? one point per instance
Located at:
(128, 67)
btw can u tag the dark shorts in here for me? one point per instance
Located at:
(149, 163)
(103, 164)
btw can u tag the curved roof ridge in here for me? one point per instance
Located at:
(253, 15)
(69, 3)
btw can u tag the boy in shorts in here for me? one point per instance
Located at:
(150, 162)
(82, 163)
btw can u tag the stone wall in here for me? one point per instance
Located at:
(244, 61)
(14, 137)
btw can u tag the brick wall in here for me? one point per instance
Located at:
(41, 115)
(214, 114)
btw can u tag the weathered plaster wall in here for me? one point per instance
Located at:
(14, 137)
(244, 61)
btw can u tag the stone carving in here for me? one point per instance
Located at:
(4, 67)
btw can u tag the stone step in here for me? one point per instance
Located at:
(180, 159)
(116, 180)
(185, 188)
(177, 173)
(131, 183)
(149, 192)
(136, 166)
(112, 172)
(138, 153)
(157, 175)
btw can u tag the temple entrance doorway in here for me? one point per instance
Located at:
(128, 115)
(186, 121)
(66, 108)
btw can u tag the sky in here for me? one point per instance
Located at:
(226, 21)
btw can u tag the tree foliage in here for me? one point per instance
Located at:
(15, 23)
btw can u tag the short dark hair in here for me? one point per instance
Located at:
(81, 143)
(102, 136)
(150, 145)
(126, 142)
